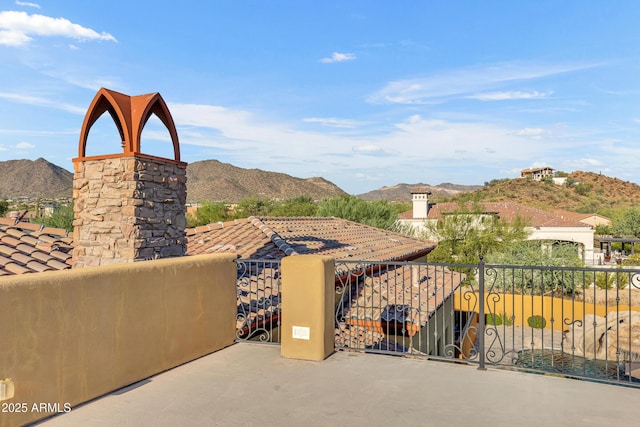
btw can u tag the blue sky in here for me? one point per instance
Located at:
(362, 93)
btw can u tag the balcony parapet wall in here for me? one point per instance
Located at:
(71, 336)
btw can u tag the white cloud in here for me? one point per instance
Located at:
(333, 122)
(13, 38)
(93, 82)
(368, 149)
(414, 141)
(2, 148)
(27, 4)
(466, 82)
(365, 177)
(583, 163)
(508, 96)
(24, 146)
(16, 29)
(43, 102)
(533, 132)
(462, 150)
(339, 57)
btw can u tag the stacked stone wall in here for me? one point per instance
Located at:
(128, 209)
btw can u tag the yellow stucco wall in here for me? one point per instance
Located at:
(308, 302)
(562, 310)
(67, 337)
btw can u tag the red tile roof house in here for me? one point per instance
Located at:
(543, 225)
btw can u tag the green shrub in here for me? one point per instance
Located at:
(498, 319)
(537, 322)
(633, 259)
(583, 189)
(494, 319)
(609, 280)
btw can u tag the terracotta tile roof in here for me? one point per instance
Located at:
(420, 190)
(536, 169)
(31, 248)
(27, 247)
(572, 215)
(277, 237)
(407, 214)
(239, 237)
(576, 215)
(505, 210)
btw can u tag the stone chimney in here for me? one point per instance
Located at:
(129, 206)
(420, 199)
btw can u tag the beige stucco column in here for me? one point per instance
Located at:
(308, 295)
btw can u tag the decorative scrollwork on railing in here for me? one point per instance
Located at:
(490, 279)
(634, 281)
(472, 300)
(467, 344)
(258, 300)
(570, 335)
(495, 351)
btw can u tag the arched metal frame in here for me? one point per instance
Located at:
(130, 114)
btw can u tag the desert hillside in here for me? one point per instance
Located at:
(589, 192)
(217, 181)
(402, 192)
(34, 179)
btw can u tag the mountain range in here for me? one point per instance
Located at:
(217, 181)
(34, 179)
(223, 182)
(402, 192)
(206, 180)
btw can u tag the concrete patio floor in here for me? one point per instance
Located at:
(251, 385)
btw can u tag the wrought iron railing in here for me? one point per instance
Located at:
(579, 322)
(258, 290)
(396, 308)
(576, 322)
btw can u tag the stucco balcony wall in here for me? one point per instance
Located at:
(67, 337)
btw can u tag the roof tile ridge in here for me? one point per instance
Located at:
(214, 226)
(275, 238)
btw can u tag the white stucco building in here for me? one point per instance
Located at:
(543, 225)
(537, 174)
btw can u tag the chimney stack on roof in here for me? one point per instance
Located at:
(420, 199)
(129, 206)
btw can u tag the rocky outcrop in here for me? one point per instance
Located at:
(605, 338)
